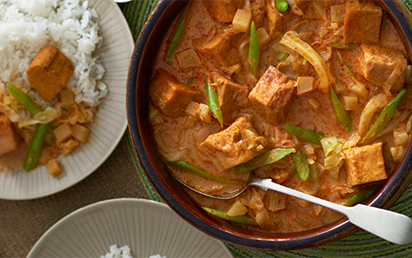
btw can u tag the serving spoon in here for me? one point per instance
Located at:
(391, 226)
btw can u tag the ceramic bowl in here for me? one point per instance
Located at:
(173, 193)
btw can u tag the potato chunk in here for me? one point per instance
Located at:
(365, 164)
(63, 132)
(188, 59)
(271, 95)
(362, 22)
(242, 20)
(81, 133)
(235, 145)
(53, 167)
(8, 140)
(170, 96)
(49, 72)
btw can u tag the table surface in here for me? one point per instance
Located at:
(22, 223)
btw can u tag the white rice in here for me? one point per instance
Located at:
(123, 252)
(28, 25)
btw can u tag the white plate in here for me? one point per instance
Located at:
(108, 127)
(147, 227)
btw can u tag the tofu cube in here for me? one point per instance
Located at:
(223, 10)
(383, 66)
(230, 95)
(242, 20)
(216, 49)
(272, 95)
(8, 140)
(364, 164)
(49, 72)
(275, 20)
(170, 96)
(188, 59)
(235, 145)
(362, 22)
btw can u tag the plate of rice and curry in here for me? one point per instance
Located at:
(62, 87)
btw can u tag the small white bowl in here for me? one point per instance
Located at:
(147, 227)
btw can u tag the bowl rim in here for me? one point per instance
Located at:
(392, 190)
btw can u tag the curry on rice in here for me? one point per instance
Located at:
(312, 94)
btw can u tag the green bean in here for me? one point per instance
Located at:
(186, 166)
(253, 58)
(25, 100)
(339, 111)
(301, 164)
(304, 134)
(237, 219)
(282, 56)
(383, 118)
(37, 142)
(35, 146)
(282, 5)
(361, 196)
(213, 102)
(263, 159)
(178, 33)
(341, 46)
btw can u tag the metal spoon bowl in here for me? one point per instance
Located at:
(391, 226)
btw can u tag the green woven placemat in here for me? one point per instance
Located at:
(360, 244)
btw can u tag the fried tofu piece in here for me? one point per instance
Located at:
(235, 145)
(383, 66)
(365, 164)
(362, 22)
(170, 96)
(49, 72)
(272, 95)
(218, 50)
(230, 95)
(8, 141)
(223, 10)
(275, 20)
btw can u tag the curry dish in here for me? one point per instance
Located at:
(312, 94)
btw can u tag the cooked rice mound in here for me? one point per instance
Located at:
(29, 25)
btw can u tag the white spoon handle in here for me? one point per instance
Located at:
(391, 226)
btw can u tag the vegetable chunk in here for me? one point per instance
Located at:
(49, 72)
(235, 145)
(170, 96)
(383, 66)
(271, 95)
(8, 140)
(365, 164)
(275, 20)
(230, 95)
(187, 59)
(362, 22)
(224, 10)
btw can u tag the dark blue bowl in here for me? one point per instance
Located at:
(173, 193)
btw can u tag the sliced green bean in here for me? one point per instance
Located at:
(253, 58)
(282, 5)
(25, 100)
(35, 146)
(213, 102)
(263, 159)
(178, 33)
(384, 118)
(339, 111)
(301, 164)
(361, 196)
(282, 56)
(305, 134)
(186, 166)
(341, 46)
(238, 219)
